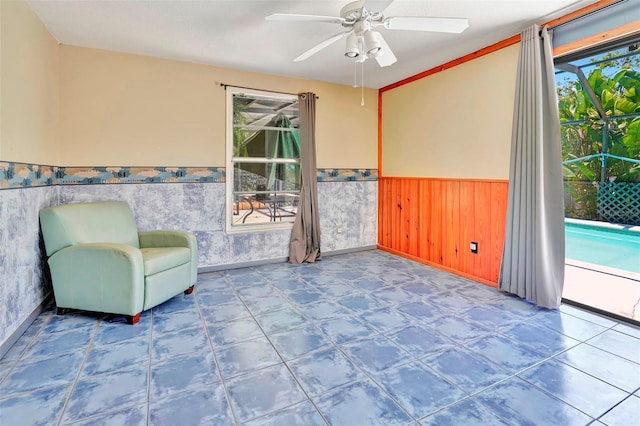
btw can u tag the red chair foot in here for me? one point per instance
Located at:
(133, 319)
(62, 311)
(189, 290)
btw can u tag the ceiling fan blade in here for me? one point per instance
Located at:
(387, 57)
(318, 47)
(304, 18)
(424, 23)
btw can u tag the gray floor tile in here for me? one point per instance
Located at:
(118, 356)
(468, 412)
(618, 343)
(506, 354)
(92, 396)
(361, 403)
(264, 392)
(569, 325)
(523, 404)
(420, 341)
(42, 373)
(130, 416)
(279, 321)
(606, 366)
(466, 369)
(41, 407)
(207, 406)
(303, 414)
(376, 354)
(324, 370)
(574, 387)
(417, 389)
(246, 356)
(539, 338)
(183, 373)
(300, 341)
(624, 413)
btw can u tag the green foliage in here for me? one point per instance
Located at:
(240, 138)
(616, 83)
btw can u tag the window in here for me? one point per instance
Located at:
(263, 166)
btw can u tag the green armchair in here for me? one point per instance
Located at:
(100, 262)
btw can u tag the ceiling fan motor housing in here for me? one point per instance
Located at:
(353, 11)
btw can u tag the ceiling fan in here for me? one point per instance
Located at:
(362, 41)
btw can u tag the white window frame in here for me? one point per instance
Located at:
(229, 180)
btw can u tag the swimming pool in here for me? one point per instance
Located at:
(601, 243)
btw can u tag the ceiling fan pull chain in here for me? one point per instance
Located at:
(362, 86)
(355, 74)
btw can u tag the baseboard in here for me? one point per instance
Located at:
(13, 338)
(438, 266)
(227, 266)
(349, 250)
(216, 268)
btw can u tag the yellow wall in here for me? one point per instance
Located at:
(452, 124)
(28, 87)
(129, 110)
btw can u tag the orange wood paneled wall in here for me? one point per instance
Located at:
(434, 220)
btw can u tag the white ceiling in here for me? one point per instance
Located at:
(234, 33)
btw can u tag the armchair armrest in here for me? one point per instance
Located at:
(170, 238)
(163, 238)
(103, 277)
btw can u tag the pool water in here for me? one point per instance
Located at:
(613, 246)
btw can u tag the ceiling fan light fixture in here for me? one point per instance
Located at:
(352, 50)
(372, 43)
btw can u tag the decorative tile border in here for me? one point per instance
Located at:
(95, 175)
(346, 175)
(23, 175)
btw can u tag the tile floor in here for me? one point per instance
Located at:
(359, 339)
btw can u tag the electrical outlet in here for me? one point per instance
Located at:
(473, 246)
(339, 229)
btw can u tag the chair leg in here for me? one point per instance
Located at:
(189, 290)
(133, 319)
(62, 311)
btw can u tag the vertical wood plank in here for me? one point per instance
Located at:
(450, 220)
(395, 215)
(412, 230)
(435, 246)
(482, 206)
(467, 226)
(405, 214)
(424, 215)
(383, 213)
(499, 195)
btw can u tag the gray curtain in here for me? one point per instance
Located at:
(533, 254)
(305, 235)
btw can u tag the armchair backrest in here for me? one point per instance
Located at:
(96, 222)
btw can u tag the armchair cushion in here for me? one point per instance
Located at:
(160, 259)
(171, 238)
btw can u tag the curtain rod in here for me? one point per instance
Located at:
(224, 85)
(576, 18)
